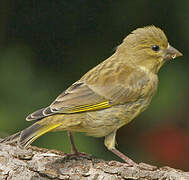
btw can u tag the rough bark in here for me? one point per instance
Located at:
(41, 164)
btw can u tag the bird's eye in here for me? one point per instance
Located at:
(155, 48)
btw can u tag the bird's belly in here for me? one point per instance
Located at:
(132, 110)
(103, 122)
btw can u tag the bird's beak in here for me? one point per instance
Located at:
(171, 53)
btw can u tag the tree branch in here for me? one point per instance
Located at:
(37, 163)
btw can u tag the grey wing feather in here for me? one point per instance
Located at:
(77, 94)
(41, 113)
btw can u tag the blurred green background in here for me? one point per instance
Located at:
(45, 46)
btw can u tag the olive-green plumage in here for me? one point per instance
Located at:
(111, 94)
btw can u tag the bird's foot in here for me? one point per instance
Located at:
(129, 161)
(79, 154)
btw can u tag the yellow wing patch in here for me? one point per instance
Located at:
(87, 107)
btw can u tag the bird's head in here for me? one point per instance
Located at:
(148, 48)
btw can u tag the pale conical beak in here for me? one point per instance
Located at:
(171, 53)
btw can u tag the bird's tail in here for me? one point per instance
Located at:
(30, 134)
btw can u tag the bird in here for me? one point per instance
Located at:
(108, 96)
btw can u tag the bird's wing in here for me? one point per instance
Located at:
(88, 95)
(77, 98)
(120, 85)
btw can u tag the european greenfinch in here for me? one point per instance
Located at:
(108, 96)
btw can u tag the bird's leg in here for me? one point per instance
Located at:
(110, 144)
(124, 157)
(74, 149)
